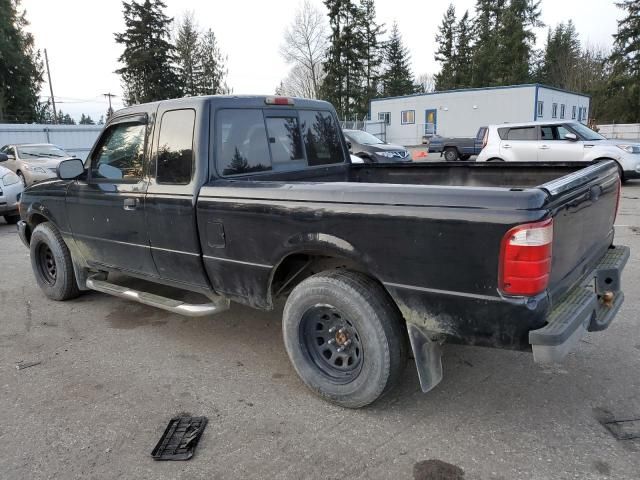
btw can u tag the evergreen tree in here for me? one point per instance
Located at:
(624, 86)
(373, 50)
(463, 64)
(487, 23)
(446, 53)
(212, 80)
(86, 120)
(397, 78)
(515, 41)
(561, 57)
(345, 65)
(148, 72)
(20, 66)
(101, 120)
(188, 55)
(65, 118)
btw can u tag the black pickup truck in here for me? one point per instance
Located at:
(254, 199)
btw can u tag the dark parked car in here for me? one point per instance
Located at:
(252, 199)
(373, 150)
(458, 148)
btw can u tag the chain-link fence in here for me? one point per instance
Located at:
(375, 128)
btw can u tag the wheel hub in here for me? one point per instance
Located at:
(332, 342)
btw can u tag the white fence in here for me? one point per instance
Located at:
(630, 131)
(75, 139)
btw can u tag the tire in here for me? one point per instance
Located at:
(22, 179)
(621, 173)
(464, 158)
(11, 219)
(495, 160)
(451, 154)
(366, 159)
(365, 322)
(51, 263)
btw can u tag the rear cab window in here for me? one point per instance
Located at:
(175, 147)
(261, 140)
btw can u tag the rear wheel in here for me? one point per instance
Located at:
(11, 219)
(345, 337)
(51, 263)
(451, 154)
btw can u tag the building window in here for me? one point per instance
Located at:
(584, 114)
(573, 113)
(562, 111)
(385, 117)
(540, 108)
(408, 117)
(554, 110)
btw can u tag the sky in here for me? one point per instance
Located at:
(78, 36)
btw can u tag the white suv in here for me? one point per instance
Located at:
(558, 141)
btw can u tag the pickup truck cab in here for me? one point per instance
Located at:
(558, 141)
(254, 200)
(458, 148)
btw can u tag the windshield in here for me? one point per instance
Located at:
(363, 138)
(50, 151)
(585, 132)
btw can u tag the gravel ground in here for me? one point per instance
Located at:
(112, 374)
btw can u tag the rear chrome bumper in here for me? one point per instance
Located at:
(591, 306)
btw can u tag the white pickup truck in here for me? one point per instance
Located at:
(558, 141)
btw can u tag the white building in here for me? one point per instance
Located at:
(74, 139)
(459, 113)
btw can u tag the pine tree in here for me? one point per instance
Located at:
(463, 60)
(65, 118)
(446, 53)
(189, 57)
(148, 72)
(561, 57)
(624, 86)
(212, 80)
(373, 50)
(20, 66)
(86, 120)
(101, 120)
(397, 78)
(515, 41)
(344, 66)
(487, 23)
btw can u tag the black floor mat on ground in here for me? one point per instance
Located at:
(180, 438)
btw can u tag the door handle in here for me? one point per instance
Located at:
(544, 147)
(131, 203)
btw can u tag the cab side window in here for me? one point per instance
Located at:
(241, 142)
(175, 147)
(120, 156)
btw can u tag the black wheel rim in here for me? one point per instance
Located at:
(47, 264)
(332, 343)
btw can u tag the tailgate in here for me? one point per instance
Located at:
(583, 205)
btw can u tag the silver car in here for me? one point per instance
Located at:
(33, 162)
(10, 191)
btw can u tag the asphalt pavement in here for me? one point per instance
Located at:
(112, 373)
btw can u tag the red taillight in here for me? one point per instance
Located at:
(279, 101)
(525, 259)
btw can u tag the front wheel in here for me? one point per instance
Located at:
(451, 154)
(52, 264)
(345, 337)
(11, 219)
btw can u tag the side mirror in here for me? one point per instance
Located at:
(349, 145)
(70, 169)
(3, 157)
(572, 137)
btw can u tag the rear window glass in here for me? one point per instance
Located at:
(526, 133)
(321, 138)
(241, 143)
(285, 142)
(175, 147)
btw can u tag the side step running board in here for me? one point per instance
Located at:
(175, 306)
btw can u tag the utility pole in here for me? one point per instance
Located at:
(110, 111)
(53, 99)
